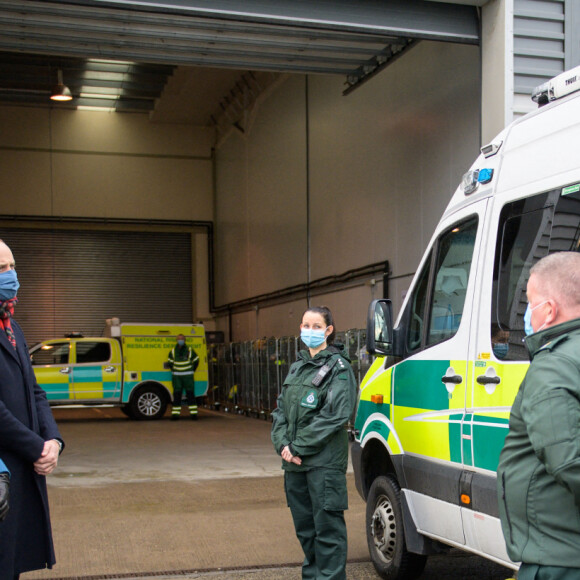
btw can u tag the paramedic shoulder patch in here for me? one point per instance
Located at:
(310, 401)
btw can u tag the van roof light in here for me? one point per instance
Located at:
(558, 87)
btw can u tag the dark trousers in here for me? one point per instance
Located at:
(180, 384)
(536, 572)
(317, 500)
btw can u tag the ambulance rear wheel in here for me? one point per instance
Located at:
(385, 533)
(148, 403)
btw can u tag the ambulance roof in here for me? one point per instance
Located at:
(535, 152)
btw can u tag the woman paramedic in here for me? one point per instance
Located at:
(308, 431)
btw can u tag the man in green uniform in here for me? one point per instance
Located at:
(183, 361)
(539, 468)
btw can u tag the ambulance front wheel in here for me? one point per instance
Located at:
(148, 403)
(385, 533)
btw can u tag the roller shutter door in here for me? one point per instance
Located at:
(75, 280)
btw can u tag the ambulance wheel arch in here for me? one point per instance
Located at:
(148, 402)
(376, 462)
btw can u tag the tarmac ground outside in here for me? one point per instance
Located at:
(161, 500)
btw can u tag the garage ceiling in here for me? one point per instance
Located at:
(200, 55)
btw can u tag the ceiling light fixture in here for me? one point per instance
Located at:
(61, 92)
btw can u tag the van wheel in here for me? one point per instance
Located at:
(385, 533)
(148, 403)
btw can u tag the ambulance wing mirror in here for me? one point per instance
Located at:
(380, 327)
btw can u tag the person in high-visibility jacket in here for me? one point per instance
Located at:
(183, 361)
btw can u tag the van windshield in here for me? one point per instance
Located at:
(529, 229)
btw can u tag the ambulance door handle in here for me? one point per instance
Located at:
(65, 370)
(451, 379)
(454, 379)
(485, 380)
(489, 380)
(109, 369)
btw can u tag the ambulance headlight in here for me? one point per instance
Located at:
(474, 177)
(469, 182)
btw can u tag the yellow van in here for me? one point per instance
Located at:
(124, 369)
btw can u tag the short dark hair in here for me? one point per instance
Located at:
(327, 316)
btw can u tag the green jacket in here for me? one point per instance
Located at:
(539, 468)
(312, 418)
(183, 360)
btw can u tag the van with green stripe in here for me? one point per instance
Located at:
(434, 407)
(126, 368)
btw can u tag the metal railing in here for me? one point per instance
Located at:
(246, 377)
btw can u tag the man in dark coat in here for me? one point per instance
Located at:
(30, 442)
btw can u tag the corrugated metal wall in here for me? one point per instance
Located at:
(539, 46)
(74, 280)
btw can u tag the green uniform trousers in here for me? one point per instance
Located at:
(317, 500)
(535, 572)
(183, 383)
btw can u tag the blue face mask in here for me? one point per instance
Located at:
(312, 338)
(528, 328)
(500, 349)
(8, 284)
(528, 321)
(181, 342)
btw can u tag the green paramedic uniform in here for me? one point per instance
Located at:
(316, 402)
(539, 467)
(183, 361)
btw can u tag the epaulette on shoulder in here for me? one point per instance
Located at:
(552, 344)
(341, 362)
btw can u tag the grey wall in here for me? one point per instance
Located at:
(94, 164)
(90, 164)
(373, 170)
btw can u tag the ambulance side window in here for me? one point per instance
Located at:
(528, 230)
(93, 352)
(454, 256)
(435, 308)
(51, 354)
(418, 302)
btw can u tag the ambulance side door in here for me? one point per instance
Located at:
(525, 230)
(429, 386)
(96, 373)
(50, 361)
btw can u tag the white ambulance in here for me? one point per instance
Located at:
(124, 369)
(434, 407)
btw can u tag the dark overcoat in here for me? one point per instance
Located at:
(26, 422)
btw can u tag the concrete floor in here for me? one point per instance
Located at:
(204, 499)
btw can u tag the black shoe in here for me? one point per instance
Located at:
(194, 417)
(174, 417)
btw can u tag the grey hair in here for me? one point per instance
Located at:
(558, 276)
